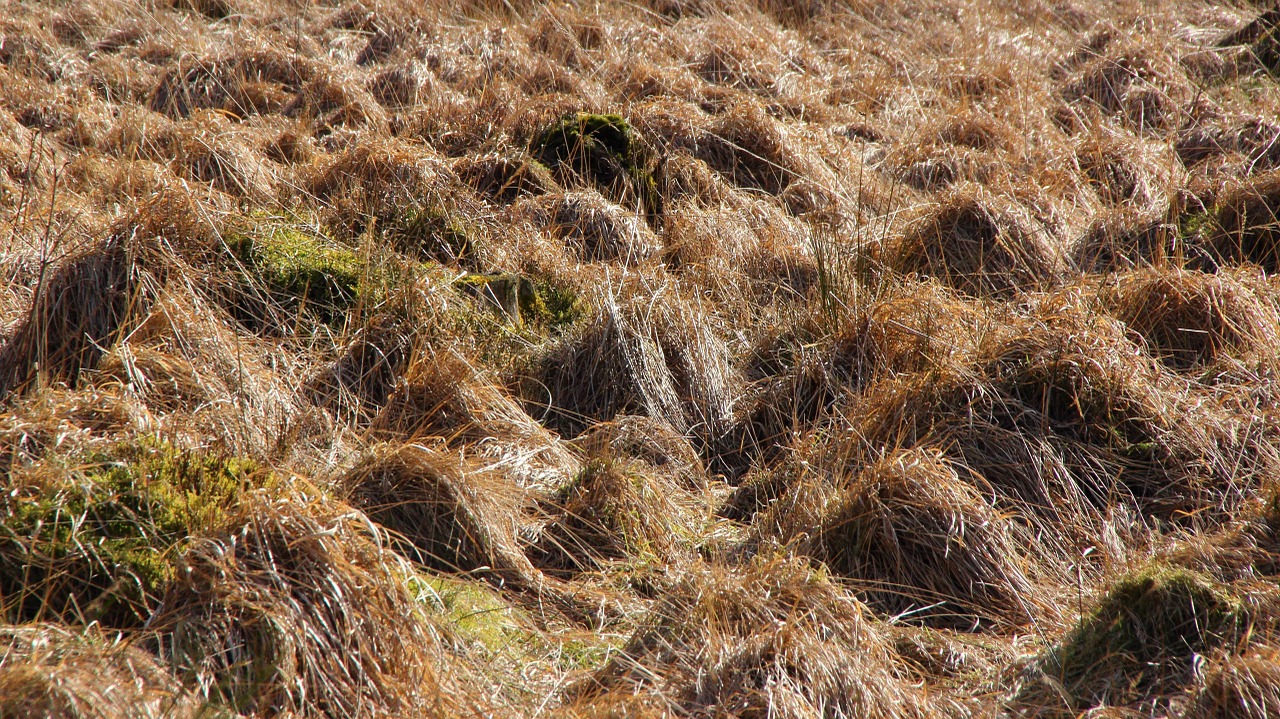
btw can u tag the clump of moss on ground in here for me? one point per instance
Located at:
(98, 544)
(526, 301)
(607, 150)
(1140, 640)
(299, 270)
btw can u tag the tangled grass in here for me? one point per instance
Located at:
(712, 358)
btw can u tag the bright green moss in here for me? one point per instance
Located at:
(537, 304)
(99, 545)
(299, 268)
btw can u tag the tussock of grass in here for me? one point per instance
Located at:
(506, 178)
(445, 399)
(616, 511)
(1189, 320)
(668, 365)
(980, 247)
(1242, 228)
(1139, 640)
(52, 672)
(772, 637)
(297, 606)
(458, 518)
(650, 441)
(921, 543)
(606, 150)
(79, 306)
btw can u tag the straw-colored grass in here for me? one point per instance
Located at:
(708, 358)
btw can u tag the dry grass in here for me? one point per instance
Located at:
(713, 358)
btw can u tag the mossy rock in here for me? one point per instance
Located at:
(608, 151)
(523, 300)
(99, 543)
(299, 270)
(1141, 638)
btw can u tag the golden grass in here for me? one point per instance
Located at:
(733, 358)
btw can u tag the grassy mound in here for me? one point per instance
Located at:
(99, 544)
(291, 272)
(444, 398)
(615, 511)
(918, 542)
(667, 364)
(1189, 319)
(774, 638)
(1242, 226)
(979, 246)
(1262, 36)
(50, 672)
(650, 441)
(458, 518)
(1063, 420)
(506, 178)
(78, 310)
(1140, 640)
(801, 376)
(297, 607)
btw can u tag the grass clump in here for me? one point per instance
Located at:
(1244, 228)
(52, 672)
(457, 518)
(614, 511)
(773, 638)
(100, 543)
(920, 542)
(431, 233)
(1139, 641)
(1262, 37)
(300, 273)
(298, 607)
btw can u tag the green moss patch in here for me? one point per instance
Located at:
(430, 233)
(300, 271)
(98, 544)
(526, 301)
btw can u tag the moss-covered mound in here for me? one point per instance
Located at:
(607, 151)
(1140, 639)
(289, 271)
(99, 542)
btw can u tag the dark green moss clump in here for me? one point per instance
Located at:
(606, 150)
(98, 544)
(299, 271)
(1141, 638)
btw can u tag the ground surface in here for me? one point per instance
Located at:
(627, 359)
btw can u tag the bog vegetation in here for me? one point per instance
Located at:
(689, 358)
